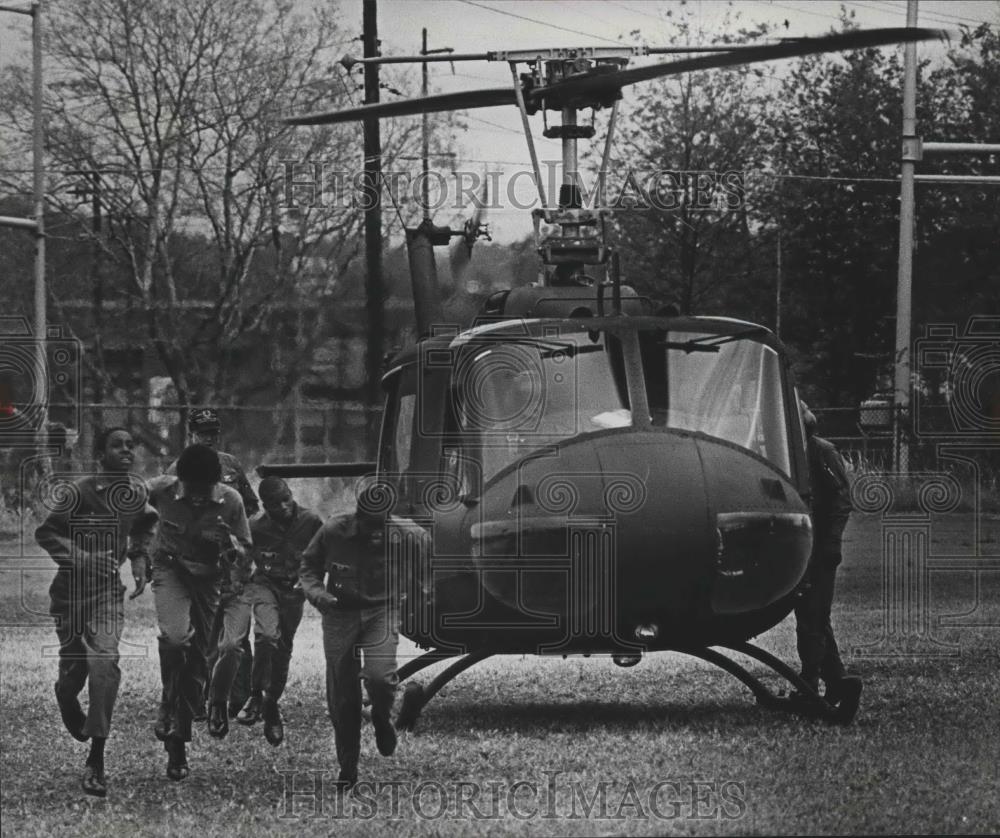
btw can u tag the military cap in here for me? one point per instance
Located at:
(204, 419)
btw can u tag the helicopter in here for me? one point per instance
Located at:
(600, 474)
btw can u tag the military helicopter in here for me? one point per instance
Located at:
(599, 474)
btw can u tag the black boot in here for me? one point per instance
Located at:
(274, 729)
(162, 728)
(218, 721)
(177, 767)
(347, 780)
(385, 735)
(94, 781)
(250, 714)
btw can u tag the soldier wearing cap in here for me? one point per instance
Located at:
(831, 507)
(351, 572)
(199, 558)
(275, 598)
(204, 428)
(106, 519)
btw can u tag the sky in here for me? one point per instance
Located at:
(493, 136)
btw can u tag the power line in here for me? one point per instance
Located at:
(885, 7)
(540, 22)
(636, 11)
(800, 10)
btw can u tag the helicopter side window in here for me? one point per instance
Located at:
(398, 426)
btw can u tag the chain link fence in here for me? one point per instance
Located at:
(873, 439)
(255, 435)
(913, 444)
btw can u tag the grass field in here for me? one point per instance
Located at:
(528, 746)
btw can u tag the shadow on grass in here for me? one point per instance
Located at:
(533, 717)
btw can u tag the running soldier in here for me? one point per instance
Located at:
(199, 557)
(275, 598)
(108, 519)
(346, 573)
(205, 428)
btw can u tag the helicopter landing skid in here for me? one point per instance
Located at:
(805, 701)
(416, 696)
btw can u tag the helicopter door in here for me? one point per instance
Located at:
(410, 444)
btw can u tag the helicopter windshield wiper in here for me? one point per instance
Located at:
(709, 343)
(551, 348)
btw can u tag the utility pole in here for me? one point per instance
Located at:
(911, 153)
(777, 293)
(373, 225)
(38, 165)
(98, 288)
(36, 225)
(424, 136)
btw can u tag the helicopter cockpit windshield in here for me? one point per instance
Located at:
(724, 386)
(509, 395)
(522, 394)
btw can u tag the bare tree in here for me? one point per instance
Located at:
(171, 109)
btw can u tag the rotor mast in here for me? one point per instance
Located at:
(578, 237)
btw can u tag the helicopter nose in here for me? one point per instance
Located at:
(612, 532)
(663, 535)
(717, 531)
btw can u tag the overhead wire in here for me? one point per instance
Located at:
(936, 16)
(539, 22)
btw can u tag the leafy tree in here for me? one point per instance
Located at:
(708, 122)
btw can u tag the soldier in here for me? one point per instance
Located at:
(200, 555)
(831, 507)
(108, 521)
(345, 574)
(275, 598)
(204, 428)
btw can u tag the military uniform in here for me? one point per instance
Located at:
(831, 507)
(191, 576)
(275, 595)
(353, 577)
(235, 477)
(107, 520)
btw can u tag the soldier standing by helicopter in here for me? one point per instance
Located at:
(831, 507)
(350, 572)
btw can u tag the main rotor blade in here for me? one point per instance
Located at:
(404, 107)
(746, 55)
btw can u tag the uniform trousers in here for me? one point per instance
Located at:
(89, 615)
(359, 645)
